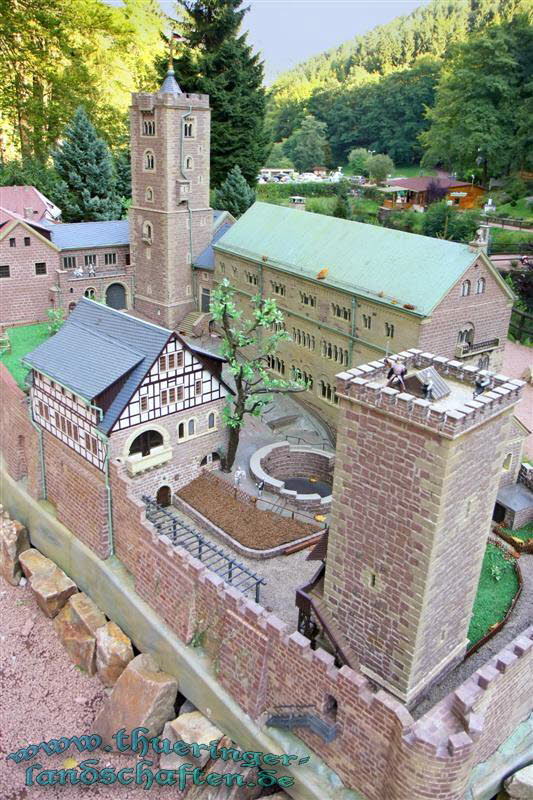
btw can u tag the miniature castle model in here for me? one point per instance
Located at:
(412, 507)
(170, 217)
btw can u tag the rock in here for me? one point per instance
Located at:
(85, 613)
(73, 626)
(52, 590)
(33, 562)
(15, 540)
(143, 696)
(191, 727)
(223, 792)
(113, 653)
(23, 582)
(186, 708)
(520, 785)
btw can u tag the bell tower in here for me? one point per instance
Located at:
(170, 218)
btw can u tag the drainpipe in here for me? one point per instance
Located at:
(105, 441)
(352, 332)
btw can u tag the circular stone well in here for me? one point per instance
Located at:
(301, 474)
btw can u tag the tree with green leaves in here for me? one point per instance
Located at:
(277, 157)
(306, 147)
(31, 172)
(379, 167)
(247, 345)
(217, 61)
(84, 162)
(122, 165)
(443, 222)
(358, 159)
(484, 96)
(234, 195)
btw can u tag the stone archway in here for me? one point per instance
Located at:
(115, 296)
(164, 496)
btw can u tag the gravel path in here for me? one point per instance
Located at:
(44, 696)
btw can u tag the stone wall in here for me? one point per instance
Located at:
(380, 750)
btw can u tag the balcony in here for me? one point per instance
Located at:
(466, 349)
(110, 272)
(137, 463)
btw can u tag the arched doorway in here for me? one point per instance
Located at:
(163, 496)
(115, 296)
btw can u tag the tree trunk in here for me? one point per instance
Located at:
(234, 434)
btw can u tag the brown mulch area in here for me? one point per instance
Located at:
(214, 498)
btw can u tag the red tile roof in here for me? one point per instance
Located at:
(28, 202)
(422, 183)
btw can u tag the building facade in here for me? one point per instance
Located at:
(414, 489)
(352, 292)
(170, 217)
(115, 389)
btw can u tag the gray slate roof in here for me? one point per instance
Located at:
(515, 497)
(206, 259)
(77, 235)
(94, 348)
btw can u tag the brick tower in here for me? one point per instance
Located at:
(170, 218)
(414, 490)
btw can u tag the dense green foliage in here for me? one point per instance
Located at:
(31, 172)
(217, 61)
(85, 164)
(58, 54)
(498, 584)
(481, 121)
(373, 91)
(307, 145)
(23, 339)
(379, 166)
(235, 195)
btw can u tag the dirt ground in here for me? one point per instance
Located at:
(516, 359)
(212, 497)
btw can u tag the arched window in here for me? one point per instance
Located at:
(466, 335)
(147, 232)
(465, 288)
(211, 420)
(148, 127)
(181, 430)
(507, 462)
(191, 427)
(90, 293)
(145, 443)
(71, 306)
(188, 129)
(480, 286)
(149, 194)
(189, 163)
(149, 160)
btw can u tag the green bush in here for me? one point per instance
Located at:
(271, 192)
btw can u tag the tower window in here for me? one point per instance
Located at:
(149, 160)
(148, 127)
(189, 129)
(147, 232)
(149, 194)
(189, 163)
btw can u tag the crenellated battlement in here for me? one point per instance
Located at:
(146, 101)
(367, 384)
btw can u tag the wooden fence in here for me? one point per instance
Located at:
(521, 326)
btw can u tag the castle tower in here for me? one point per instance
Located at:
(414, 490)
(170, 217)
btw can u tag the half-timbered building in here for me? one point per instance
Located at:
(113, 387)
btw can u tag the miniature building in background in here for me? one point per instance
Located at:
(170, 217)
(415, 486)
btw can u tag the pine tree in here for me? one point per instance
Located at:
(234, 195)
(85, 163)
(218, 62)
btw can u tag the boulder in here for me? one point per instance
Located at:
(190, 727)
(113, 653)
(520, 785)
(15, 540)
(76, 625)
(223, 792)
(33, 562)
(52, 590)
(143, 696)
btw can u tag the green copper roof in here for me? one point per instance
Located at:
(368, 260)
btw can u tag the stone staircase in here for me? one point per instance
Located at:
(296, 716)
(192, 322)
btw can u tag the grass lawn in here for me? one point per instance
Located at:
(412, 171)
(24, 339)
(525, 533)
(498, 584)
(519, 211)
(504, 240)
